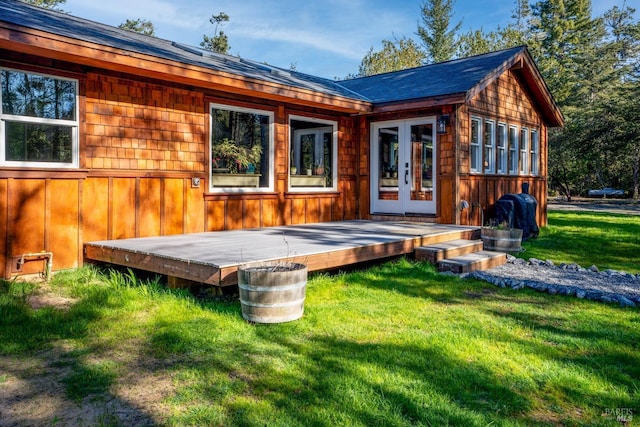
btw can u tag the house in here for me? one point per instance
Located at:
(107, 134)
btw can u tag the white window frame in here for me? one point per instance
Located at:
(73, 124)
(271, 150)
(334, 149)
(489, 154)
(535, 152)
(513, 150)
(475, 145)
(502, 150)
(524, 151)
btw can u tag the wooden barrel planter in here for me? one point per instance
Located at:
(502, 240)
(272, 293)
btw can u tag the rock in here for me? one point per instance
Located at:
(606, 298)
(535, 261)
(549, 263)
(625, 302)
(593, 269)
(552, 290)
(581, 293)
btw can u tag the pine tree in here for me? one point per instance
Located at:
(141, 26)
(219, 42)
(439, 41)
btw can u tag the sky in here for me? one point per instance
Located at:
(325, 38)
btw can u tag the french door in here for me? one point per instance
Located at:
(403, 166)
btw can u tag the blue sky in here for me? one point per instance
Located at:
(326, 38)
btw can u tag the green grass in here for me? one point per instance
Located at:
(392, 345)
(608, 241)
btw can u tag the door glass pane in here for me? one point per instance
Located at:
(421, 162)
(388, 163)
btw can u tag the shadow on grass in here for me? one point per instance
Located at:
(33, 343)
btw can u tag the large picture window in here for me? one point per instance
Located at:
(240, 148)
(312, 154)
(476, 145)
(38, 120)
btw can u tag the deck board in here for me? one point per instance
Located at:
(213, 257)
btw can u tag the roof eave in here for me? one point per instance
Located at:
(413, 104)
(524, 63)
(40, 43)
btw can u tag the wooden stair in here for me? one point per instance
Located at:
(460, 256)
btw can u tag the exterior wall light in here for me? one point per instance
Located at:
(441, 124)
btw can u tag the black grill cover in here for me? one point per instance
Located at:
(519, 211)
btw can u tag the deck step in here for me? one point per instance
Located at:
(481, 260)
(440, 251)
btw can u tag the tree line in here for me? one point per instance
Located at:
(590, 64)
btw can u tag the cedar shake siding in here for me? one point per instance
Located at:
(131, 154)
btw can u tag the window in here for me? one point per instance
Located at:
(513, 150)
(38, 120)
(502, 148)
(524, 151)
(312, 160)
(535, 148)
(241, 148)
(489, 146)
(475, 147)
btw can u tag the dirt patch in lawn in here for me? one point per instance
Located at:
(34, 390)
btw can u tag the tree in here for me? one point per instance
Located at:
(141, 26)
(439, 41)
(47, 4)
(219, 42)
(395, 55)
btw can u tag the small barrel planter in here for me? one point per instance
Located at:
(502, 240)
(272, 293)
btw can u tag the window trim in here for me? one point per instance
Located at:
(334, 161)
(513, 147)
(271, 168)
(535, 154)
(490, 159)
(502, 152)
(475, 168)
(73, 124)
(523, 160)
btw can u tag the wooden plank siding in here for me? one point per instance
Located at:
(504, 100)
(144, 136)
(141, 142)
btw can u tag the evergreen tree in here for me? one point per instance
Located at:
(141, 26)
(47, 4)
(440, 42)
(219, 42)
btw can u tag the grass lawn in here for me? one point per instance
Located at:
(589, 238)
(392, 345)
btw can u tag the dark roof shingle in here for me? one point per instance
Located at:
(24, 15)
(435, 80)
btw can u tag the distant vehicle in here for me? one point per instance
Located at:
(606, 192)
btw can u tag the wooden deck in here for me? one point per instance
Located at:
(213, 258)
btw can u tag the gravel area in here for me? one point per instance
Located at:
(565, 279)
